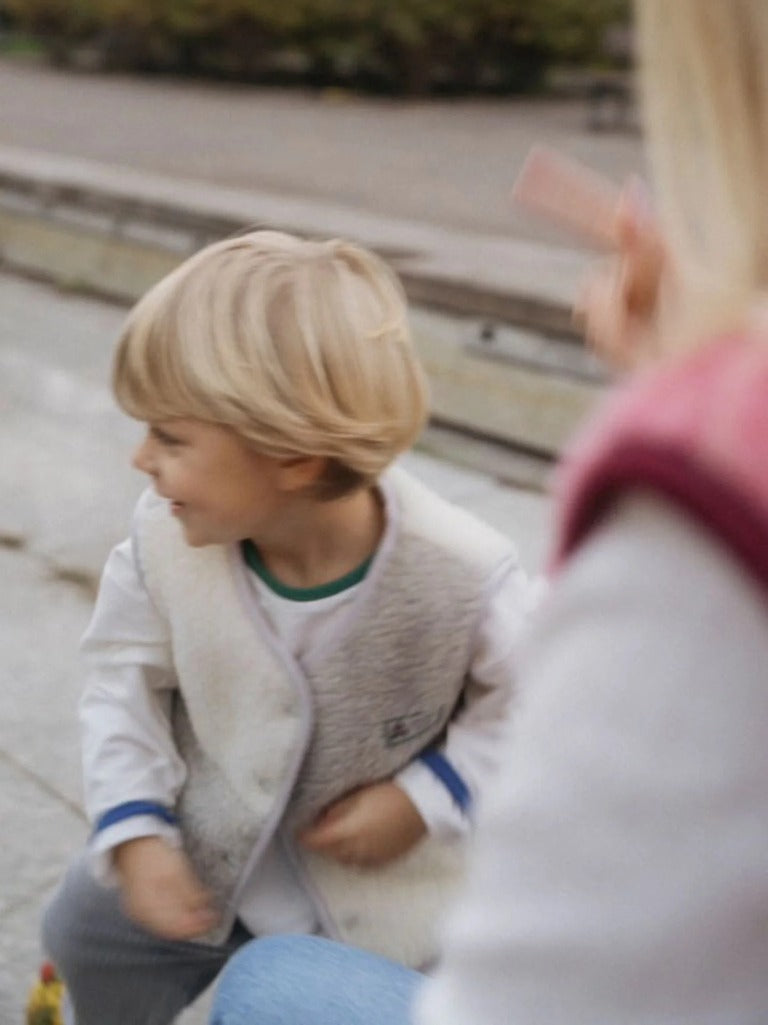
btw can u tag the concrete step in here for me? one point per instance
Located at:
(514, 281)
(491, 316)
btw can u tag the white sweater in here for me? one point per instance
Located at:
(621, 867)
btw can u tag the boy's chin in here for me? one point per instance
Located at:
(198, 538)
(200, 534)
(203, 542)
(195, 542)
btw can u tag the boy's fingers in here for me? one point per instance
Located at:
(203, 919)
(200, 904)
(328, 837)
(320, 835)
(179, 921)
(337, 810)
(327, 822)
(337, 848)
(186, 927)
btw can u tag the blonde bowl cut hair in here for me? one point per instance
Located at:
(300, 347)
(704, 79)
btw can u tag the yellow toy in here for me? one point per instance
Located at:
(45, 999)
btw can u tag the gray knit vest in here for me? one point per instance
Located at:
(269, 742)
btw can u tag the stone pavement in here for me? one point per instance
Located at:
(65, 498)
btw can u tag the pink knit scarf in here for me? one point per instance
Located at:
(695, 431)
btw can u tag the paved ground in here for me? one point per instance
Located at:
(449, 163)
(65, 497)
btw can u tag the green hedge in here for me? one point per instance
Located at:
(412, 46)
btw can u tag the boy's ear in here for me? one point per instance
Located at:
(299, 473)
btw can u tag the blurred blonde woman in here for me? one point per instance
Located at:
(620, 870)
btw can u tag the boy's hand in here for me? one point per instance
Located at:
(370, 827)
(160, 890)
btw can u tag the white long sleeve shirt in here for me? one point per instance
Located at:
(129, 754)
(621, 865)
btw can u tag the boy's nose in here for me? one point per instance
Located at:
(142, 458)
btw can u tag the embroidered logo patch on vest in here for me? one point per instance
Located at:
(407, 727)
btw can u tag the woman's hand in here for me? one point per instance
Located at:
(621, 302)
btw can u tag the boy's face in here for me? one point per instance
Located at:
(220, 489)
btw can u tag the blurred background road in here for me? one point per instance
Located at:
(444, 162)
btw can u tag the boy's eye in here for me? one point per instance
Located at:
(164, 437)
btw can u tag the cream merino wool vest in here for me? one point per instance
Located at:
(269, 742)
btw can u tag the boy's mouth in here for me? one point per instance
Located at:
(177, 507)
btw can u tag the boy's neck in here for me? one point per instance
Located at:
(323, 541)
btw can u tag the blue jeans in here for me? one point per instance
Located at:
(307, 980)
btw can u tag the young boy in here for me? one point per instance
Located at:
(298, 665)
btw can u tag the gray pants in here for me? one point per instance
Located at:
(115, 971)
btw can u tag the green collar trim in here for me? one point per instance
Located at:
(255, 562)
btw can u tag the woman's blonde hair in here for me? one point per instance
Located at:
(300, 347)
(705, 84)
